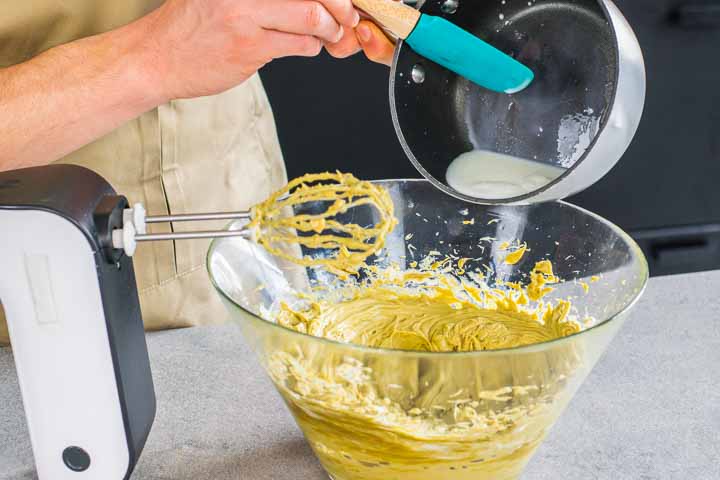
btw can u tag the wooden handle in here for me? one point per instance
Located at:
(396, 17)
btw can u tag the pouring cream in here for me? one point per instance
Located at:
(494, 176)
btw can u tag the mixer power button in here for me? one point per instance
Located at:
(76, 459)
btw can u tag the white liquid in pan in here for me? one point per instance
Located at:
(494, 176)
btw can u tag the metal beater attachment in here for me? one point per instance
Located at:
(348, 219)
(135, 222)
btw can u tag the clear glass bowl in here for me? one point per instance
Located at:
(377, 414)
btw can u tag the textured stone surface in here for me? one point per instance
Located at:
(650, 410)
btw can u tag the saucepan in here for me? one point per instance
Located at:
(553, 139)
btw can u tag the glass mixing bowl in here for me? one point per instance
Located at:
(379, 414)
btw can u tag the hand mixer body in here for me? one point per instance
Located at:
(75, 325)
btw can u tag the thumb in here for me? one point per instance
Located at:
(375, 44)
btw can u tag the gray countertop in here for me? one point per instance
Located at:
(650, 410)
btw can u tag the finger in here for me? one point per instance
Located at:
(347, 46)
(282, 44)
(373, 41)
(304, 17)
(343, 11)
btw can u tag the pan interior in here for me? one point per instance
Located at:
(570, 46)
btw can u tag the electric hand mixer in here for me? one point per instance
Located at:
(66, 237)
(70, 297)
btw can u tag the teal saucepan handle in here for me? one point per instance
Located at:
(465, 54)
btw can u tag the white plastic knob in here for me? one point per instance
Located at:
(139, 215)
(124, 239)
(136, 216)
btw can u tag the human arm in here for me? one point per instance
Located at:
(75, 93)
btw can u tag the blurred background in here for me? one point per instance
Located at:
(665, 191)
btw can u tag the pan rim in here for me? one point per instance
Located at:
(526, 198)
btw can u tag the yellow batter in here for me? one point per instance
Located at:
(377, 415)
(514, 257)
(276, 227)
(438, 316)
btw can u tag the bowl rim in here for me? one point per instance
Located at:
(644, 271)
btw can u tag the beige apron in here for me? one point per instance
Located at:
(208, 154)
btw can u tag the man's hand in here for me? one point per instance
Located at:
(202, 47)
(367, 37)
